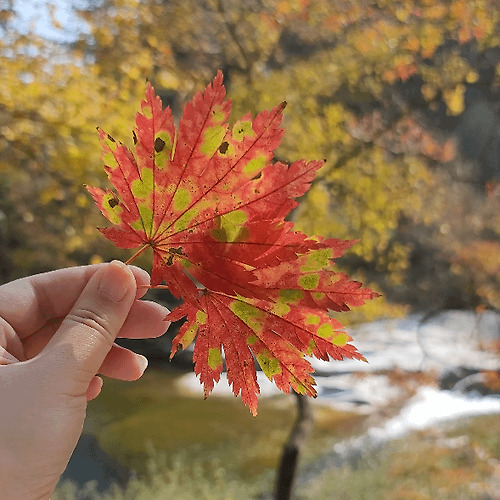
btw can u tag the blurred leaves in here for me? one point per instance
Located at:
(380, 89)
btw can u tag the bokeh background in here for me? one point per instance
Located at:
(401, 97)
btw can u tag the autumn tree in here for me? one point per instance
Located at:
(384, 91)
(51, 100)
(389, 93)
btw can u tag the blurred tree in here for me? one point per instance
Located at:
(386, 91)
(50, 103)
(391, 93)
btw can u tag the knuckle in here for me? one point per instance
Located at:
(98, 322)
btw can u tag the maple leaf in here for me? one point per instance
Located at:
(211, 203)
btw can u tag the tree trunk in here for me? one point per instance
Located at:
(291, 451)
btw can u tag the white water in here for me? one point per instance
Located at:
(450, 340)
(446, 342)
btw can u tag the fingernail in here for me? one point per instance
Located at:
(115, 284)
(143, 362)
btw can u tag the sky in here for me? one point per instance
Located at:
(36, 13)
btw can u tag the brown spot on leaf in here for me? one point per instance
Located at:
(223, 147)
(113, 202)
(173, 252)
(110, 138)
(159, 144)
(134, 136)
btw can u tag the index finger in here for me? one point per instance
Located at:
(28, 303)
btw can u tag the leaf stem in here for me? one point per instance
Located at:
(156, 287)
(139, 252)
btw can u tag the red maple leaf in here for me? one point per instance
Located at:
(211, 203)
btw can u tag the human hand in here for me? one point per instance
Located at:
(57, 331)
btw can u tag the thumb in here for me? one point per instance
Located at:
(87, 333)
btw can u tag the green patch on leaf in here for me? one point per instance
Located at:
(270, 366)
(286, 297)
(317, 259)
(340, 339)
(147, 112)
(299, 387)
(182, 199)
(312, 319)
(242, 129)
(146, 215)
(218, 115)
(189, 335)
(255, 165)
(252, 339)
(291, 296)
(186, 264)
(109, 160)
(142, 188)
(310, 347)
(163, 149)
(137, 225)
(185, 219)
(249, 314)
(230, 226)
(212, 138)
(214, 358)
(112, 208)
(309, 281)
(325, 331)
(201, 317)
(281, 308)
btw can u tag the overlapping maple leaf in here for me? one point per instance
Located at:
(211, 202)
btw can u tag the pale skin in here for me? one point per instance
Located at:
(57, 333)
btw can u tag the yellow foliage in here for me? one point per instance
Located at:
(454, 99)
(472, 77)
(331, 61)
(429, 91)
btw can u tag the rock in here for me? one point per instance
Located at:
(460, 379)
(90, 463)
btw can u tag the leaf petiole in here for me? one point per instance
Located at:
(156, 287)
(139, 252)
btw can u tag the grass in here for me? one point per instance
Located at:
(130, 420)
(184, 447)
(182, 477)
